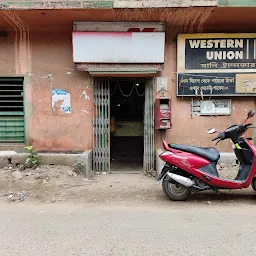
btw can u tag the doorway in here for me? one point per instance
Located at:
(127, 99)
(123, 124)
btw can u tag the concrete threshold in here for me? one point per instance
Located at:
(126, 172)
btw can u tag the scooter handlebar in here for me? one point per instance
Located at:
(221, 136)
(247, 125)
(215, 138)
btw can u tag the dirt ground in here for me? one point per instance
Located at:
(50, 184)
(60, 183)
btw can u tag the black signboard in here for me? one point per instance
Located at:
(216, 64)
(206, 84)
(215, 84)
(220, 53)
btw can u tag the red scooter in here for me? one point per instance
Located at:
(188, 170)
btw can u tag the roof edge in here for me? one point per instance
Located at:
(103, 4)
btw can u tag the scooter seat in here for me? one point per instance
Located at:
(211, 154)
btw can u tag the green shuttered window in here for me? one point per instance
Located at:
(12, 125)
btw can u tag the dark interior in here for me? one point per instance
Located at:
(127, 109)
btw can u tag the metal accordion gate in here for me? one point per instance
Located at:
(149, 151)
(101, 126)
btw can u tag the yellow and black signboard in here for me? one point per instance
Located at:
(216, 64)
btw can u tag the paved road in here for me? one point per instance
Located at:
(185, 229)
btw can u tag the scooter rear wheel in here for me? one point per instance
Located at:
(175, 192)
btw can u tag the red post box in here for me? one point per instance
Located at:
(163, 113)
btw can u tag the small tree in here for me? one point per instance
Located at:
(33, 160)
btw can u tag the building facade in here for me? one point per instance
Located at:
(53, 93)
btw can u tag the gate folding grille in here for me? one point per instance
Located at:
(101, 126)
(149, 152)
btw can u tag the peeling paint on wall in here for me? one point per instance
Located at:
(178, 19)
(61, 101)
(190, 21)
(50, 76)
(84, 94)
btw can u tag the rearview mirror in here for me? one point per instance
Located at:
(250, 113)
(211, 131)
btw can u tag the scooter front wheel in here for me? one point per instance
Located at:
(175, 192)
(253, 184)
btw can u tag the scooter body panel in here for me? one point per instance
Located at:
(185, 161)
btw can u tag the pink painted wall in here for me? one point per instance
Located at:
(39, 47)
(55, 130)
(7, 54)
